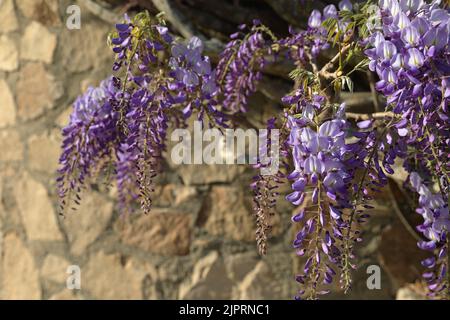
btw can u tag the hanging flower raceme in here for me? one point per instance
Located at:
(88, 140)
(305, 45)
(196, 80)
(265, 185)
(410, 55)
(240, 67)
(433, 207)
(321, 190)
(159, 81)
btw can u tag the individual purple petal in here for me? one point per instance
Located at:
(315, 19)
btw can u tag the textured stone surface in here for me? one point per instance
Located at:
(9, 56)
(162, 231)
(36, 210)
(8, 19)
(44, 11)
(65, 294)
(36, 90)
(208, 281)
(38, 43)
(85, 225)
(83, 49)
(43, 152)
(259, 284)
(11, 146)
(174, 195)
(54, 268)
(8, 114)
(206, 174)
(20, 278)
(239, 265)
(63, 119)
(112, 276)
(229, 215)
(412, 291)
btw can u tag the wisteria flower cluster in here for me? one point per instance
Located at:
(240, 67)
(410, 54)
(434, 210)
(335, 161)
(321, 178)
(122, 125)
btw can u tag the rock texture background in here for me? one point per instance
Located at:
(198, 243)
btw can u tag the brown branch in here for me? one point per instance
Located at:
(98, 10)
(367, 116)
(371, 78)
(176, 18)
(400, 214)
(325, 71)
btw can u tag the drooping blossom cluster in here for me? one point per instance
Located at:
(123, 124)
(265, 186)
(307, 44)
(433, 207)
(240, 67)
(322, 183)
(410, 54)
(87, 140)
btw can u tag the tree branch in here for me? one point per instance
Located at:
(325, 73)
(98, 10)
(368, 116)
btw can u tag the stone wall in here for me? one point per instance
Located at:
(198, 243)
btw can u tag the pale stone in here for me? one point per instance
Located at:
(174, 194)
(86, 48)
(44, 11)
(1, 221)
(208, 174)
(54, 268)
(1, 210)
(37, 44)
(63, 119)
(8, 111)
(112, 276)
(36, 210)
(10, 145)
(1, 241)
(229, 214)
(165, 232)
(8, 18)
(9, 57)
(36, 90)
(239, 265)
(20, 278)
(91, 218)
(65, 294)
(44, 151)
(414, 291)
(258, 284)
(208, 281)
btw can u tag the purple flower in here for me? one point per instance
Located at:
(414, 58)
(345, 5)
(239, 69)
(315, 19)
(410, 36)
(435, 212)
